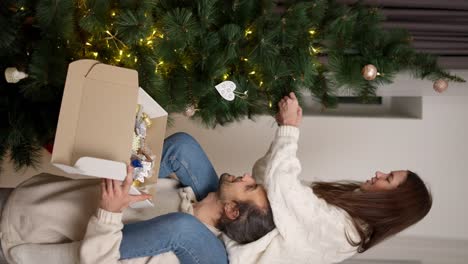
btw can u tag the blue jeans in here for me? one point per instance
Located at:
(189, 239)
(183, 156)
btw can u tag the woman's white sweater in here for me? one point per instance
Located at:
(308, 230)
(52, 219)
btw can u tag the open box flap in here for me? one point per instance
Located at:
(98, 110)
(102, 168)
(151, 108)
(68, 169)
(70, 111)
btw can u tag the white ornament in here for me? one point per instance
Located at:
(147, 166)
(140, 174)
(136, 144)
(226, 90)
(190, 111)
(12, 75)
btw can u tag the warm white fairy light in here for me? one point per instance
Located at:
(314, 50)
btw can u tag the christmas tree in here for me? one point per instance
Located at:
(183, 48)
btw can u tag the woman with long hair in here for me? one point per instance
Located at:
(382, 206)
(326, 222)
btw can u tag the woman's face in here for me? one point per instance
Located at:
(385, 181)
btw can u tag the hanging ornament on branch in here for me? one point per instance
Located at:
(12, 75)
(190, 110)
(369, 72)
(226, 90)
(440, 85)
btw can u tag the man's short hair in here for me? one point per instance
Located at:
(252, 224)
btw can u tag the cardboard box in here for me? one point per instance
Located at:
(96, 122)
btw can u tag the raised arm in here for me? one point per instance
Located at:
(289, 115)
(281, 162)
(291, 201)
(101, 242)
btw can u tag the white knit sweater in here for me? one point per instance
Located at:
(52, 219)
(308, 230)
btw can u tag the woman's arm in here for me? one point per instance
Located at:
(103, 235)
(281, 163)
(290, 114)
(102, 239)
(292, 202)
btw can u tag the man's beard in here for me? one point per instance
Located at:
(223, 183)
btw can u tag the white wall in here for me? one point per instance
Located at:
(333, 148)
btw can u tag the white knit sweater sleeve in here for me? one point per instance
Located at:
(285, 141)
(101, 242)
(291, 201)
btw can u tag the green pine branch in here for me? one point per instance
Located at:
(182, 49)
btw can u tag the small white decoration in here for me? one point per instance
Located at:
(226, 90)
(12, 75)
(136, 144)
(141, 173)
(190, 111)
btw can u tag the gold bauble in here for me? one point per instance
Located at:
(146, 119)
(138, 107)
(136, 183)
(189, 111)
(440, 85)
(369, 72)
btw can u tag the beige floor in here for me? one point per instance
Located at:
(11, 178)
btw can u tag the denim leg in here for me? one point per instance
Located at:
(190, 240)
(183, 156)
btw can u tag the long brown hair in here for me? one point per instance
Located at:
(378, 215)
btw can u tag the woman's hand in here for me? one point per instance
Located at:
(114, 194)
(290, 113)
